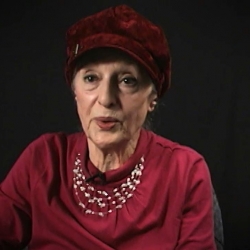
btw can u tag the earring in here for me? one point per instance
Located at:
(152, 106)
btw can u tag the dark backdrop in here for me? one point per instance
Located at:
(206, 108)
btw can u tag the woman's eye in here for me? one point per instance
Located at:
(90, 78)
(129, 80)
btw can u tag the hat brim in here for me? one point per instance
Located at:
(129, 46)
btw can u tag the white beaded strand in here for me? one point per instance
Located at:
(107, 202)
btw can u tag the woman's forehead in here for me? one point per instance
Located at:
(113, 65)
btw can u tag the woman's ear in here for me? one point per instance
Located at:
(153, 100)
(73, 90)
(152, 105)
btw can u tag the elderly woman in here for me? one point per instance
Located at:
(115, 185)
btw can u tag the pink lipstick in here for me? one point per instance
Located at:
(106, 123)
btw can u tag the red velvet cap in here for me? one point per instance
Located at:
(123, 28)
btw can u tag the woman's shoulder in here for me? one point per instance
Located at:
(174, 148)
(55, 141)
(178, 158)
(57, 137)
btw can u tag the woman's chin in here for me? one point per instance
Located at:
(107, 141)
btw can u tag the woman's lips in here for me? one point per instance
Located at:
(106, 123)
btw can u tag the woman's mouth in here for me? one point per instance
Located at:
(106, 123)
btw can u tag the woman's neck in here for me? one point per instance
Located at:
(112, 157)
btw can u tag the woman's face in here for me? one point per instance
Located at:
(113, 96)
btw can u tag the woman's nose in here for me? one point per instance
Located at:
(107, 95)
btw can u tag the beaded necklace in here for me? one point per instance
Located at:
(106, 201)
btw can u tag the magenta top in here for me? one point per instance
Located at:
(55, 198)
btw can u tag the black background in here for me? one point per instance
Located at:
(207, 107)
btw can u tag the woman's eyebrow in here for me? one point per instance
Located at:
(87, 69)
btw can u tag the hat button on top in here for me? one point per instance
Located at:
(76, 49)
